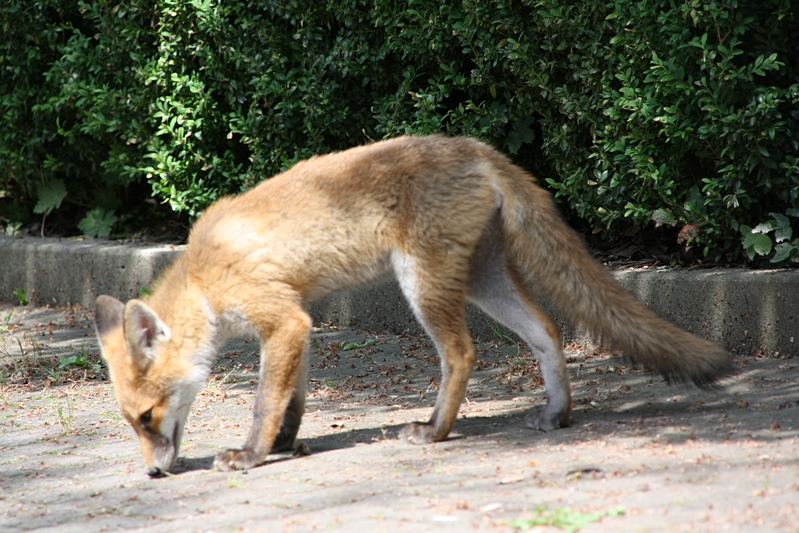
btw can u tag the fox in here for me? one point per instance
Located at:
(451, 217)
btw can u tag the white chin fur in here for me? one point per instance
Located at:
(175, 420)
(165, 457)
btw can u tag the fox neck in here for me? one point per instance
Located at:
(196, 332)
(198, 329)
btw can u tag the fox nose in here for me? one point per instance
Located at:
(155, 472)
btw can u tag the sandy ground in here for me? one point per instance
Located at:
(641, 455)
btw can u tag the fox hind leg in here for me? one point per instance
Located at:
(436, 296)
(497, 288)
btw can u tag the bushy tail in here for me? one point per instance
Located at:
(554, 256)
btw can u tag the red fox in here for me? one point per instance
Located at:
(452, 218)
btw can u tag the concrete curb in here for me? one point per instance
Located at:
(61, 271)
(748, 312)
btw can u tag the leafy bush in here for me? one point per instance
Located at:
(684, 113)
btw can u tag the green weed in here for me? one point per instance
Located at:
(31, 365)
(12, 229)
(19, 292)
(82, 359)
(54, 375)
(358, 346)
(75, 360)
(65, 419)
(563, 518)
(4, 327)
(235, 483)
(497, 330)
(518, 362)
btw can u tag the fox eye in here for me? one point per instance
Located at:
(146, 417)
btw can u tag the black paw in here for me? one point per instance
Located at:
(236, 460)
(417, 433)
(539, 417)
(284, 442)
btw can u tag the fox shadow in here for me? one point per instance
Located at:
(759, 404)
(471, 427)
(508, 430)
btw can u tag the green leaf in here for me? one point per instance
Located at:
(696, 202)
(662, 216)
(784, 231)
(783, 234)
(50, 194)
(762, 244)
(782, 220)
(764, 227)
(98, 222)
(521, 134)
(76, 360)
(749, 240)
(782, 252)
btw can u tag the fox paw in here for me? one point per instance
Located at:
(417, 433)
(236, 460)
(283, 443)
(539, 417)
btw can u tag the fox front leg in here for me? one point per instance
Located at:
(279, 401)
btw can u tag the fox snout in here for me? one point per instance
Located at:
(159, 453)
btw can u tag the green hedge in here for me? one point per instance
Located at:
(686, 113)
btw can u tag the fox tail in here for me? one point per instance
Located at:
(554, 256)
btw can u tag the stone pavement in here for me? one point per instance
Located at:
(641, 456)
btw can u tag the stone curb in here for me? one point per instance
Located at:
(747, 311)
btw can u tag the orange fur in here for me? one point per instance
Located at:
(452, 218)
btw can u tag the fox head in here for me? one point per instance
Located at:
(154, 386)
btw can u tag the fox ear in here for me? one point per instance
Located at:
(108, 313)
(143, 331)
